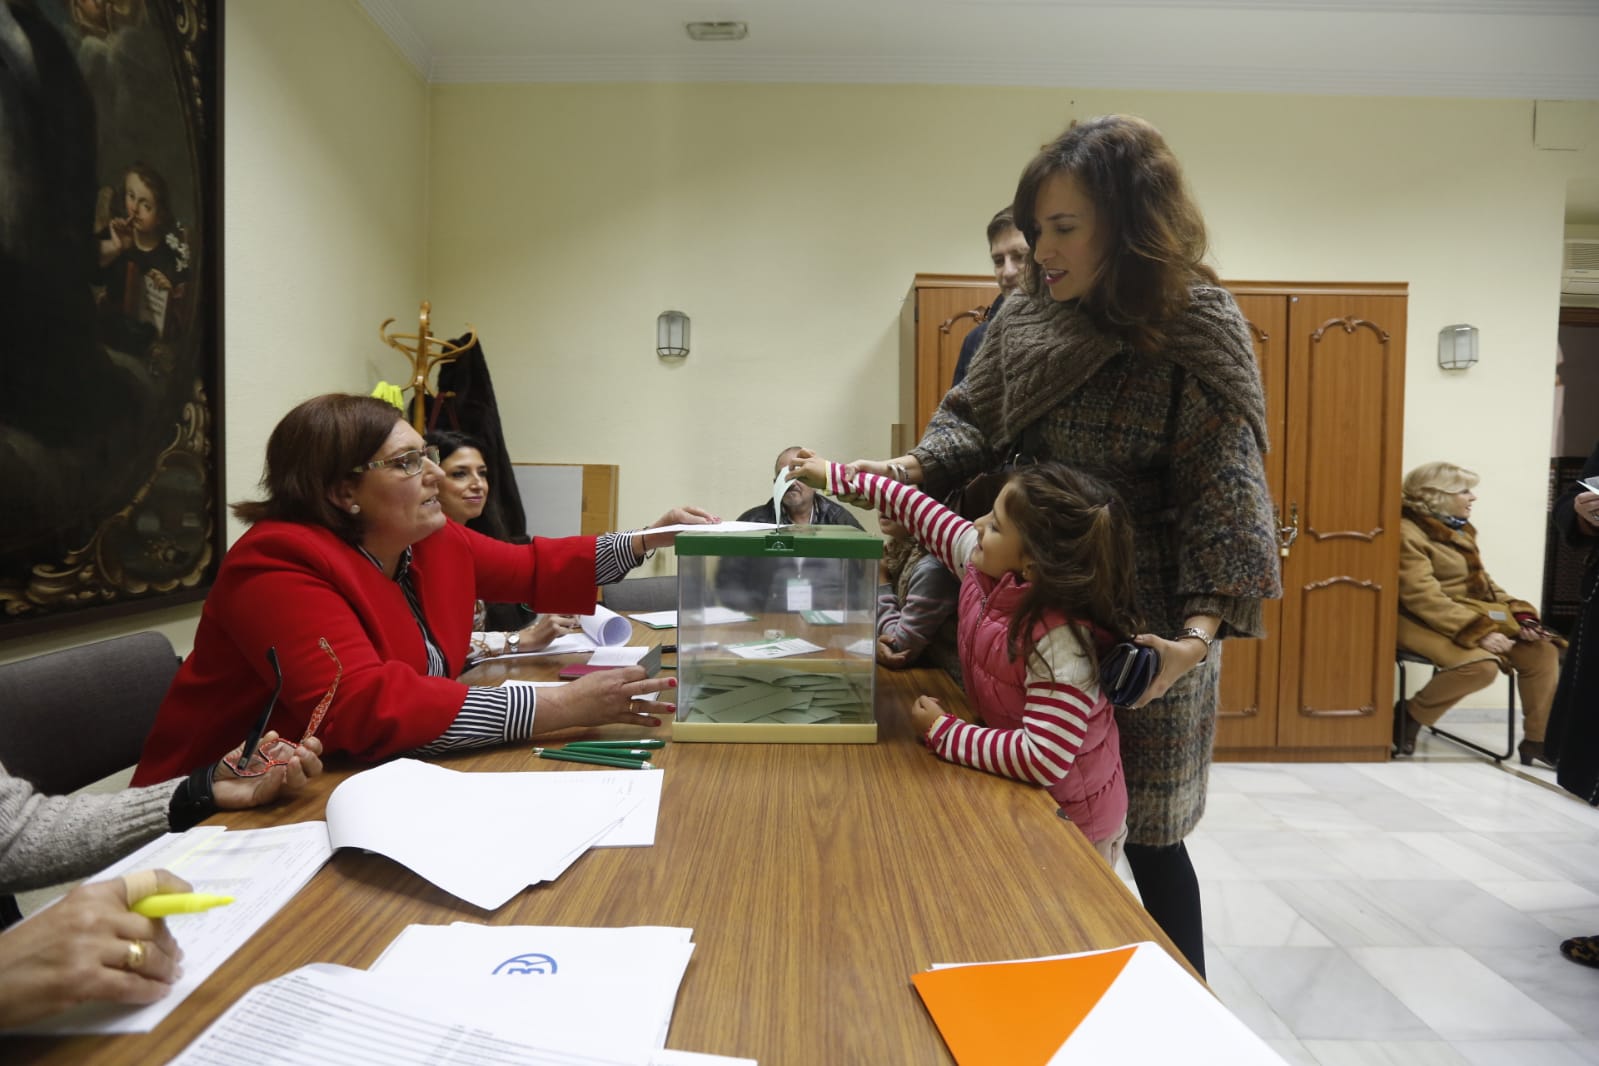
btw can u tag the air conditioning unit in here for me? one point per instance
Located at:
(1579, 275)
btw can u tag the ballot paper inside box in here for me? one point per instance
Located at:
(797, 662)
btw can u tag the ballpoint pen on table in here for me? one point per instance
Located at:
(591, 758)
(166, 904)
(649, 742)
(254, 738)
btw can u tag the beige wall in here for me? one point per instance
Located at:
(788, 221)
(325, 220)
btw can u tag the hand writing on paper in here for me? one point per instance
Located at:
(88, 947)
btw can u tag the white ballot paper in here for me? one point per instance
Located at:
(261, 869)
(483, 837)
(325, 1013)
(566, 981)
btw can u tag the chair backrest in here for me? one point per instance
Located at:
(643, 594)
(71, 717)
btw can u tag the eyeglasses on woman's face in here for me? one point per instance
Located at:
(408, 463)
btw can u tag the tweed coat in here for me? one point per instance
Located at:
(1438, 568)
(1179, 433)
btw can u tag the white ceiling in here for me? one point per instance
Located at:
(1525, 49)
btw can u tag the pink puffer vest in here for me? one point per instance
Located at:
(1093, 795)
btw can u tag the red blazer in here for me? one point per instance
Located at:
(285, 584)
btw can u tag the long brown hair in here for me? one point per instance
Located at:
(313, 449)
(1079, 538)
(1151, 229)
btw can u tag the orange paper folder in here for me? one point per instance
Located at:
(1092, 1009)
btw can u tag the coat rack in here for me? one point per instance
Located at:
(416, 347)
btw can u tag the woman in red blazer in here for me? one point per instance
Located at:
(351, 571)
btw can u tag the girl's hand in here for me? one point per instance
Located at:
(808, 467)
(1497, 643)
(924, 712)
(546, 628)
(890, 656)
(299, 764)
(1177, 657)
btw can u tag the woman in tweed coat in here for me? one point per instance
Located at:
(1123, 356)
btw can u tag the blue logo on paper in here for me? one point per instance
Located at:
(530, 963)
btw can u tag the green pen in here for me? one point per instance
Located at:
(651, 743)
(643, 742)
(608, 752)
(591, 759)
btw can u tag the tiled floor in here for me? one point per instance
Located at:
(1405, 912)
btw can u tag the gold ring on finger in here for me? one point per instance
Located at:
(136, 955)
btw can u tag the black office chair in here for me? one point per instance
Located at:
(642, 594)
(71, 717)
(1403, 657)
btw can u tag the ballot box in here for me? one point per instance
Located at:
(776, 633)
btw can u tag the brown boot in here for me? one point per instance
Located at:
(1530, 750)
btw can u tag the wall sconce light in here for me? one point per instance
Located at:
(671, 335)
(1457, 347)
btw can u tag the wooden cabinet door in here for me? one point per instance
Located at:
(1247, 712)
(946, 309)
(1341, 487)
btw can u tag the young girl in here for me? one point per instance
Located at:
(1046, 580)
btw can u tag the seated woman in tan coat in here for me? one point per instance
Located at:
(1452, 612)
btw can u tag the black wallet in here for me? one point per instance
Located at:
(1126, 670)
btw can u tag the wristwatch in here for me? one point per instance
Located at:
(1199, 634)
(512, 640)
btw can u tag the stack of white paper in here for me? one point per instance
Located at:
(562, 983)
(324, 1013)
(485, 837)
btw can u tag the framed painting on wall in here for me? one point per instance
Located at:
(110, 307)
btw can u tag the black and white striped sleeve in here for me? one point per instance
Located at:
(489, 717)
(614, 558)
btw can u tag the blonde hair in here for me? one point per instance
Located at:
(1429, 486)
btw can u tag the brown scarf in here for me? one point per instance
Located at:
(1047, 350)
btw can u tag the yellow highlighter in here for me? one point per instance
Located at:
(165, 905)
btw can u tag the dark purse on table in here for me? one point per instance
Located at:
(1125, 672)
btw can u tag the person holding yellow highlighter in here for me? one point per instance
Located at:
(94, 944)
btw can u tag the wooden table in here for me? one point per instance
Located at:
(816, 879)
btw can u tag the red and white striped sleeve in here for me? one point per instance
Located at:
(1062, 694)
(941, 531)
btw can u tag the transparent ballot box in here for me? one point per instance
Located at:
(776, 636)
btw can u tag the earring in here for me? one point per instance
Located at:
(355, 508)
